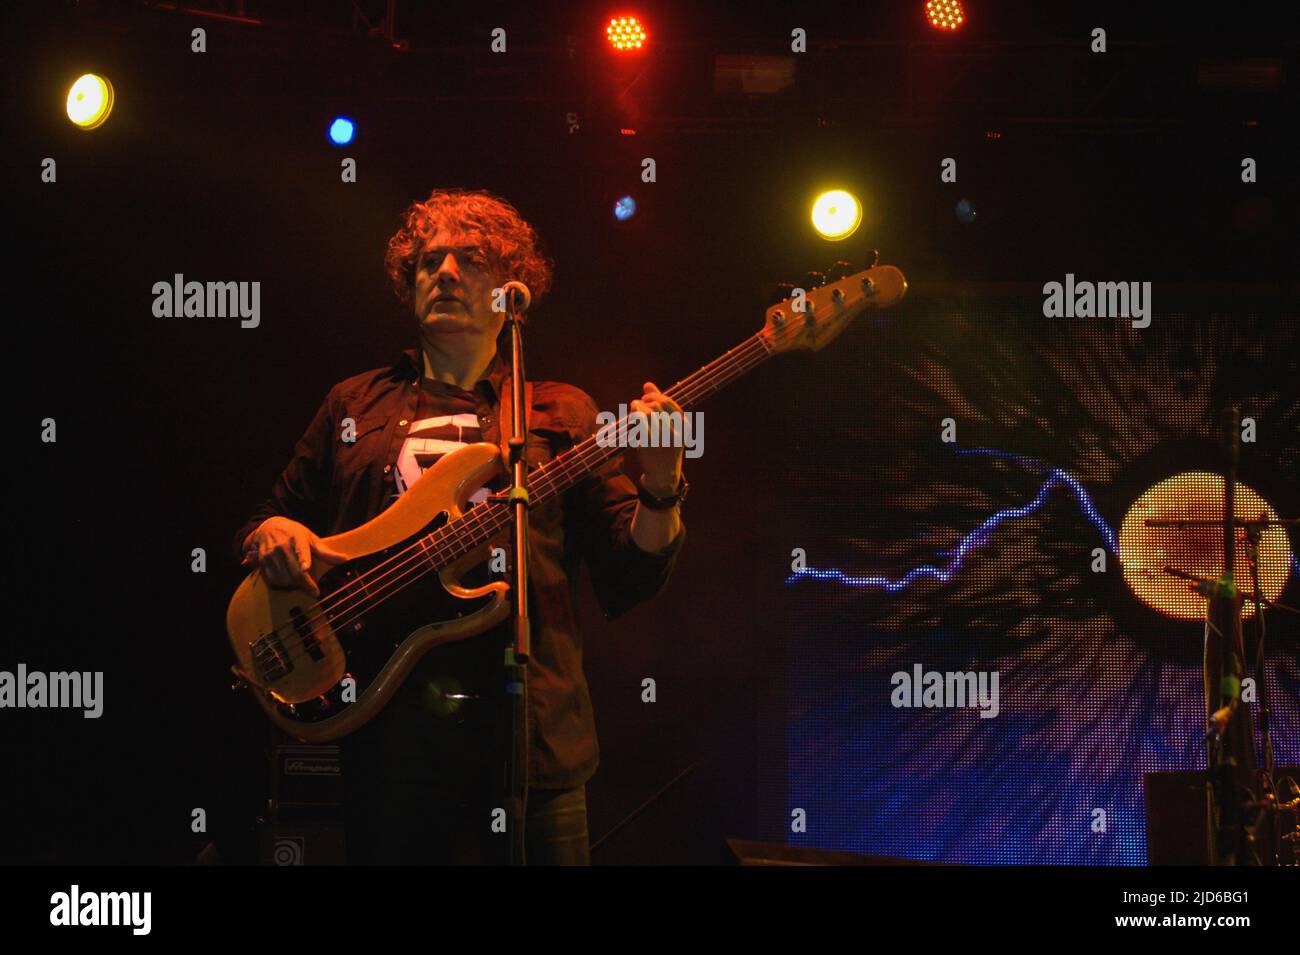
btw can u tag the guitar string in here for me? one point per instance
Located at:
(461, 537)
(471, 525)
(577, 461)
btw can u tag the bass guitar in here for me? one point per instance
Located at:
(322, 666)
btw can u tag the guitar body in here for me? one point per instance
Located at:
(294, 659)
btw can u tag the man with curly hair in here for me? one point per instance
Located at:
(421, 779)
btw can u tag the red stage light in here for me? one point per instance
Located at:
(944, 14)
(625, 33)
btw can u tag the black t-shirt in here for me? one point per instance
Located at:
(446, 419)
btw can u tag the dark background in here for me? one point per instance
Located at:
(1117, 167)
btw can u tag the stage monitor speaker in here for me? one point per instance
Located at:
(303, 824)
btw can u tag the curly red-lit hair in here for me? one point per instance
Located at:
(513, 246)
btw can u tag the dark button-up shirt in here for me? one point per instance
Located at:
(332, 486)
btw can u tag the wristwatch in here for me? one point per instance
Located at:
(663, 503)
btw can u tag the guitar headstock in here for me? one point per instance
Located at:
(812, 320)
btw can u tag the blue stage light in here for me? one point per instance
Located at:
(342, 131)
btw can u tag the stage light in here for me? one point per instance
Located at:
(944, 14)
(836, 215)
(625, 209)
(342, 131)
(625, 33)
(90, 100)
(1145, 552)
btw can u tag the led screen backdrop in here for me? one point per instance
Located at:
(995, 551)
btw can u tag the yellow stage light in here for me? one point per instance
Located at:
(90, 100)
(836, 215)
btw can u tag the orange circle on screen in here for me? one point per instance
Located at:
(1196, 495)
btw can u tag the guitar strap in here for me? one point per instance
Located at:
(504, 414)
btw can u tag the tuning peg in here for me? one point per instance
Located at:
(814, 280)
(838, 269)
(780, 292)
(871, 258)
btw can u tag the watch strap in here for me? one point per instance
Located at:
(663, 503)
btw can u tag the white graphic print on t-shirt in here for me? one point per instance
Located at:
(428, 440)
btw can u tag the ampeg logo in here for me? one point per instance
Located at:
(311, 767)
(288, 850)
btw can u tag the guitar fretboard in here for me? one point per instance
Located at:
(483, 521)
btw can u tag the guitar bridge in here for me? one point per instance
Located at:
(271, 657)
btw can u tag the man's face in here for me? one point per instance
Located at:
(452, 294)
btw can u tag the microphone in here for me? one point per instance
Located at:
(518, 298)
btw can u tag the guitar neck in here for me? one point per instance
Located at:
(481, 522)
(567, 469)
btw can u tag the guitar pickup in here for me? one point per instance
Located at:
(309, 641)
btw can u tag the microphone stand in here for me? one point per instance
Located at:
(1230, 757)
(515, 770)
(1269, 828)
(1230, 742)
